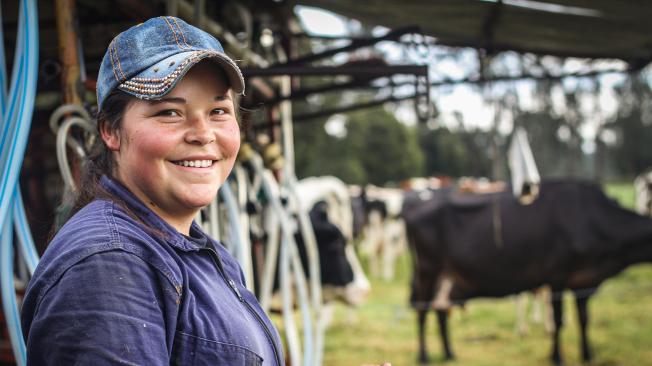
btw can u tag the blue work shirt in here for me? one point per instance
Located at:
(109, 290)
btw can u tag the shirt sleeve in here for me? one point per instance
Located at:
(108, 309)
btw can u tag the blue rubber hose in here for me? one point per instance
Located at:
(20, 116)
(16, 116)
(9, 305)
(27, 248)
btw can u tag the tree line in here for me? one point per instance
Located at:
(376, 148)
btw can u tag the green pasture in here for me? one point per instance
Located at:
(384, 328)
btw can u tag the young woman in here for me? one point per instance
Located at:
(130, 279)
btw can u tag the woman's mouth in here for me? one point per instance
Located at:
(194, 163)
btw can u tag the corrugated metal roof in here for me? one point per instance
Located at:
(620, 29)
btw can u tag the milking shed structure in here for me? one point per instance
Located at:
(52, 51)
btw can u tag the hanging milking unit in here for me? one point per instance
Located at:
(523, 169)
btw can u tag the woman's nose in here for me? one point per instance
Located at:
(199, 131)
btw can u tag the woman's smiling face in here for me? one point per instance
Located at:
(175, 153)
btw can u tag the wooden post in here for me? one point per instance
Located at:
(67, 36)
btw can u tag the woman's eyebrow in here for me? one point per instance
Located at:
(168, 100)
(220, 98)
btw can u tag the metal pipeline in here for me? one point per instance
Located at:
(290, 265)
(272, 229)
(289, 181)
(213, 212)
(62, 153)
(271, 191)
(241, 195)
(241, 247)
(312, 252)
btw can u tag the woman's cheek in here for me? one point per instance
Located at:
(158, 143)
(231, 139)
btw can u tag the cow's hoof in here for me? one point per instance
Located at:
(449, 357)
(424, 360)
(557, 361)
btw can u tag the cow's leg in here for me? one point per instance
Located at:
(558, 316)
(421, 323)
(581, 300)
(442, 318)
(521, 311)
(443, 297)
(549, 323)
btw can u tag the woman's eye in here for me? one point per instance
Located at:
(168, 113)
(218, 111)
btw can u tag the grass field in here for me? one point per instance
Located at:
(384, 328)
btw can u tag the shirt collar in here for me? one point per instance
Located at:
(170, 234)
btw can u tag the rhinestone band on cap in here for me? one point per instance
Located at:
(155, 86)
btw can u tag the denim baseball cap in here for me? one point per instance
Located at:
(147, 60)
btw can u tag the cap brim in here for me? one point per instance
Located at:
(160, 78)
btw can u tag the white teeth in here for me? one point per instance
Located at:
(196, 163)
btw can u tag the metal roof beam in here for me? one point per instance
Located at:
(479, 81)
(356, 71)
(330, 112)
(393, 35)
(489, 27)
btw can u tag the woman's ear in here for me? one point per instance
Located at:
(110, 136)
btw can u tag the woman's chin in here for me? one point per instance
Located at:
(196, 203)
(200, 203)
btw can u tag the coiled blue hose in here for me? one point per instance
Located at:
(17, 117)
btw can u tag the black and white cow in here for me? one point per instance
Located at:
(571, 237)
(327, 199)
(379, 227)
(341, 275)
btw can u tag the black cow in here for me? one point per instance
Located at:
(362, 207)
(334, 266)
(571, 237)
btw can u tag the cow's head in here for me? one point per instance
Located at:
(329, 203)
(342, 277)
(335, 268)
